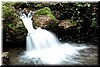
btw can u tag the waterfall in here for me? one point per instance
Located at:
(43, 47)
(38, 39)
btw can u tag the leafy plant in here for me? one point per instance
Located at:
(9, 15)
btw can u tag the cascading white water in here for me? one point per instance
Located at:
(42, 47)
(38, 39)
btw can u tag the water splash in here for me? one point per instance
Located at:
(41, 39)
(43, 47)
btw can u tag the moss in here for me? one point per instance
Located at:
(75, 23)
(46, 11)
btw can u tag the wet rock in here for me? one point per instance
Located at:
(5, 56)
(65, 24)
(43, 21)
(44, 18)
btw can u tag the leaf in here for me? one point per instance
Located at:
(10, 25)
(89, 5)
(93, 13)
(94, 19)
(74, 23)
(79, 27)
(78, 12)
(38, 5)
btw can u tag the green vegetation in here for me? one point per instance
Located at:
(9, 15)
(83, 15)
(12, 25)
(46, 11)
(84, 10)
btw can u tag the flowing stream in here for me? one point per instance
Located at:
(43, 47)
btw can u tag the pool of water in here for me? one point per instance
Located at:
(87, 57)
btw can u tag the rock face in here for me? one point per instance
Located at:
(43, 21)
(65, 24)
(44, 18)
(11, 35)
(5, 57)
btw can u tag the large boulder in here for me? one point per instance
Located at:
(65, 24)
(43, 21)
(44, 18)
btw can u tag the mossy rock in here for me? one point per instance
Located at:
(46, 11)
(44, 18)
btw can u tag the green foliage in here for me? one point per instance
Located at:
(46, 11)
(74, 23)
(8, 10)
(11, 20)
(82, 12)
(9, 15)
(38, 5)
